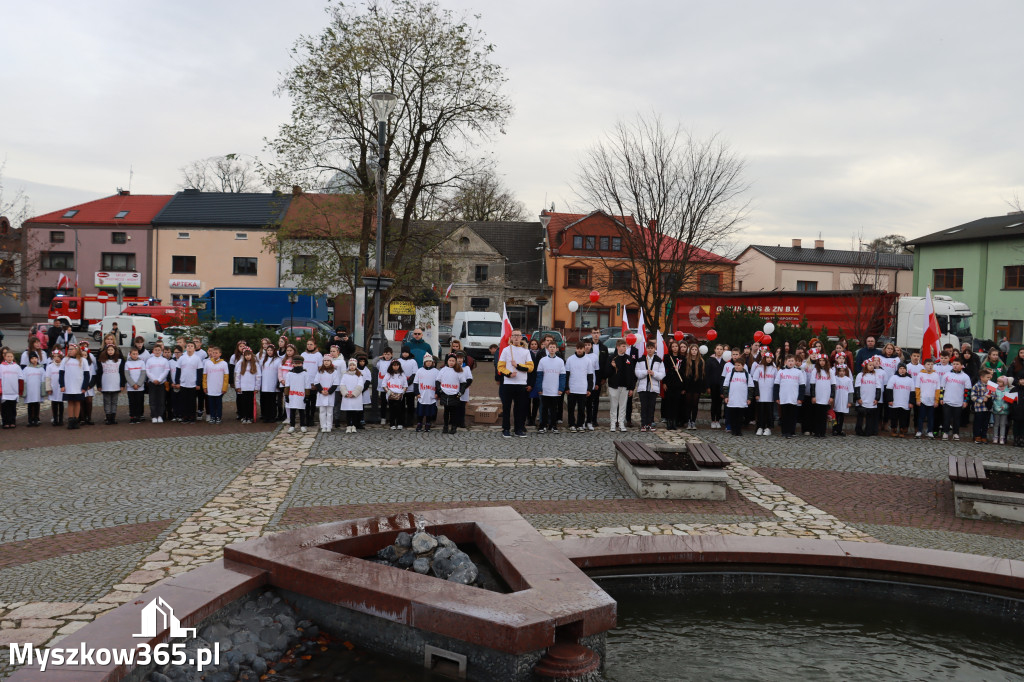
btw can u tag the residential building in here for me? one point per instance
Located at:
(204, 240)
(99, 243)
(982, 264)
(591, 252)
(487, 264)
(795, 268)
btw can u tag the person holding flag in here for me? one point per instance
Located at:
(930, 345)
(636, 351)
(514, 364)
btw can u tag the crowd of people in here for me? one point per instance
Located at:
(792, 390)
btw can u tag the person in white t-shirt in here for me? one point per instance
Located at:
(551, 369)
(580, 371)
(215, 384)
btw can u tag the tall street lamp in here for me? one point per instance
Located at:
(383, 104)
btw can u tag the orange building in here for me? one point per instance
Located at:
(588, 252)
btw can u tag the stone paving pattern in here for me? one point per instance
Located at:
(93, 518)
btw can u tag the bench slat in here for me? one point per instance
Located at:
(952, 469)
(637, 453)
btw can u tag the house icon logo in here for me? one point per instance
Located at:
(158, 616)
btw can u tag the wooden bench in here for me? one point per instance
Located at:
(638, 454)
(966, 470)
(707, 455)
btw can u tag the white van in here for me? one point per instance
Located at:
(130, 326)
(477, 331)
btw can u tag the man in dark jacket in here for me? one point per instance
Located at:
(868, 351)
(714, 370)
(621, 382)
(418, 345)
(345, 346)
(602, 361)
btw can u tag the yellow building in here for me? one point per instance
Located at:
(204, 240)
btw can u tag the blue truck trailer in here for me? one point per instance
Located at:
(268, 305)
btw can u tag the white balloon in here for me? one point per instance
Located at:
(769, 328)
(573, 306)
(703, 350)
(727, 356)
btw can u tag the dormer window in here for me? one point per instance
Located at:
(71, 214)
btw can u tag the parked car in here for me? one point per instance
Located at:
(299, 330)
(616, 332)
(444, 334)
(557, 336)
(321, 327)
(96, 331)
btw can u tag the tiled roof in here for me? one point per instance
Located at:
(516, 241)
(141, 209)
(318, 216)
(223, 209)
(789, 254)
(998, 227)
(668, 246)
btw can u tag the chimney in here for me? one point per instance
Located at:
(123, 192)
(819, 244)
(796, 243)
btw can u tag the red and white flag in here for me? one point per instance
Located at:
(63, 282)
(625, 322)
(448, 291)
(641, 334)
(506, 329)
(662, 346)
(1010, 397)
(930, 347)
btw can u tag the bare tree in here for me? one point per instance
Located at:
(449, 98)
(228, 173)
(483, 197)
(14, 255)
(686, 195)
(890, 243)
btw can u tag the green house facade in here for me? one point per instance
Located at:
(982, 264)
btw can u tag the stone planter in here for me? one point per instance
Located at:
(976, 502)
(666, 484)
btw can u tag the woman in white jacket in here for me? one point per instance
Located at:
(650, 371)
(75, 379)
(269, 384)
(248, 380)
(326, 385)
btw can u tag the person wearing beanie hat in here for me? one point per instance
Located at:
(351, 387)
(426, 394)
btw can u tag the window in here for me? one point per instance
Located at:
(950, 278)
(241, 235)
(444, 271)
(56, 236)
(118, 262)
(669, 281)
(185, 300)
(603, 243)
(480, 275)
(588, 319)
(1013, 330)
(245, 266)
(577, 277)
(621, 280)
(444, 311)
(616, 243)
(302, 265)
(183, 235)
(183, 265)
(577, 242)
(46, 296)
(57, 260)
(589, 243)
(711, 281)
(6, 268)
(1013, 277)
(118, 237)
(121, 214)
(464, 243)
(806, 285)
(863, 287)
(71, 214)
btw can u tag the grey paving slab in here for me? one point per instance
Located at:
(382, 443)
(875, 455)
(95, 485)
(75, 577)
(970, 543)
(341, 485)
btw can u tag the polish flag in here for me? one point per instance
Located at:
(506, 330)
(930, 347)
(641, 334)
(63, 282)
(1009, 398)
(662, 346)
(625, 322)
(448, 291)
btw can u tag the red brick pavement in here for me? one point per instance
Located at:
(885, 500)
(37, 549)
(734, 505)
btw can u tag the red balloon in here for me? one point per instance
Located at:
(712, 335)
(594, 295)
(678, 336)
(758, 335)
(765, 339)
(631, 339)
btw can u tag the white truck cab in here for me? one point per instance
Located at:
(477, 331)
(954, 321)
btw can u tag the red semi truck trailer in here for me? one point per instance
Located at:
(857, 314)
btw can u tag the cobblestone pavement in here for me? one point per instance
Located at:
(87, 525)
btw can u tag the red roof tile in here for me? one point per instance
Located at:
(141, 208)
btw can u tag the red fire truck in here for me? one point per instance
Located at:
(857, 314)
(86, 310)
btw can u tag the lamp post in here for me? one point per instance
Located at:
(383, 104)
(293, 298)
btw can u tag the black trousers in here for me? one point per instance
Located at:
(268, 406)
(648, 400)
(33, 412)
(296, 412)
(593, 402)
(396, 412)
(8, 411)
(737, 417)
(136, 404)
(867, 421)
(246, 404)
(716, 403)
(820, 419)
(188, 404)
(578, 403)
(787, 418)
(57, 410)
(514, 398)
(552, 406)
(899, 418)
(840, 419)
(765, 415)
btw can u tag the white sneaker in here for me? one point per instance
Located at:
(612, 429)
(399, 427)
(155, 419)
(590, 427)
(759, 432)
(945, 436)
(716, 425)
(572, 429)
(767, 432)
(303, 429)
(931, 435)
(291, 429)
(956, 436)
(623, 429)
(383, 422)
(917, 435)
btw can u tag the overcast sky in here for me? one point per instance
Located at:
(885, 116)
